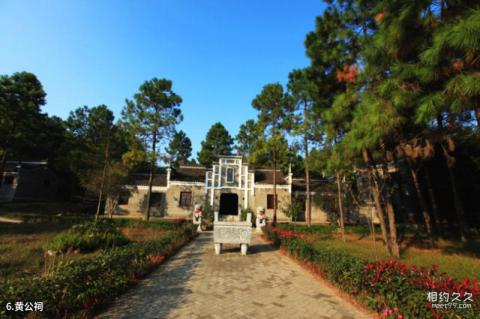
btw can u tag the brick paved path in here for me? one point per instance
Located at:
(196, 283)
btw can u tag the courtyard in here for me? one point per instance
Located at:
(196, 283)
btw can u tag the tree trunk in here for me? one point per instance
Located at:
(150, 177)
(340, 205)
(421, 198)
(404, 203)
(274, 188)
(393, 227)
(4, 148)
(477, 113)
(372, 217)
(377, 199)
(456, 197)
(433, 201)
(440, 121)
(307, 171)
(392, 223)
(104, 174)
(2, 167)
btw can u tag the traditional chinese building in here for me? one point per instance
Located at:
(28, 181)
(229, 186)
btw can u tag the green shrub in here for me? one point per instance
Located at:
(88, 237)
(208, 214)
(389, 287)
(313, 229)
(79, 287)
(244, 212)
(301, 249)
(163, 224)
(294, 210)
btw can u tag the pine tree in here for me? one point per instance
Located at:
(21, 97)
(274, 106)
(248, 135)
(179, 149)
(301, 88)
(152, 116)
(217, 142)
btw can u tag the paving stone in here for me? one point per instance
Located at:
(196, 283)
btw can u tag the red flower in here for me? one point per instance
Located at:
(157, 259)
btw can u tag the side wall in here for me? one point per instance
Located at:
(260, 199)
(137, 203)
(173, 208)
(169, 205)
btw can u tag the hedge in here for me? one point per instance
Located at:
(80, 287)
(393, 289)
(164, 224)
(89, 236)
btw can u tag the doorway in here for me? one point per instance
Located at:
(228, 204)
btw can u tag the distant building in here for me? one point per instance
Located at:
(229, 186)
(28, 181)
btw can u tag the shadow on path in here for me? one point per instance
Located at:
(164, 289)
(261, 248)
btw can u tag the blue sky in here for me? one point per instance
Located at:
(218, 53)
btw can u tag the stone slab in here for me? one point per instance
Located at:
(196, 283)
(232, 233)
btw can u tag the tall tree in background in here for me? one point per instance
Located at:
(448, 68)
(217, 142)
(333, 48)
(179, 149)
(301, 89)
(253, 144)
(95, 136)
(246, 138)
(21, 97)
(275, 107)
(448, 74)
(152, 116)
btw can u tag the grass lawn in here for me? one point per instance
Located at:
(21, 252)
(453, 257)
(456, 262)
(21, 245)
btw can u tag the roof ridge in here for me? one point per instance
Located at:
(192, 166)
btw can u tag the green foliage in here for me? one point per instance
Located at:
(87, 237)
(153, 112)
(217, 142)
(207, 213)
(80, 287)
(248, 135)
(294, 209)
(274, 106)
(151, 118)
(313, 229)
(381, 285)
(162, 224)
(96, 147)
(244, 212)
(252, 142)
(23, 127)
(180, 148)
(21, 97)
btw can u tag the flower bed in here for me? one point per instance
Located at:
(391, 288)
(79, 287)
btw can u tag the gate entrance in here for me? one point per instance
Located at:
(228, 204)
